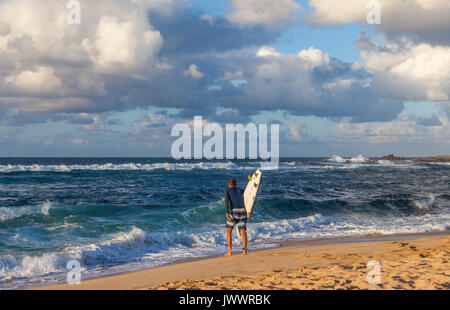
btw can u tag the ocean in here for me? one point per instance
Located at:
(121, 214)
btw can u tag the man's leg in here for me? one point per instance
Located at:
(229, 240)
(244, 241)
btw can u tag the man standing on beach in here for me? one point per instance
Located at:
(234, 196)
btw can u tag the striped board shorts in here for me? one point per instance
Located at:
(239, 217)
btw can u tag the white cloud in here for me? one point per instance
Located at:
(312, 56)
(153, 120)
(310, 82)
(123, 45)
(193, 72)
(228, 75)
(34, 83)
(48, 57)
(268, 12)
(402, 130)
(408, 15)
(37, 104)
(315, 57)
(267, 51)
(409, 71)
(97, 122)
(295, 132)
(335, 12)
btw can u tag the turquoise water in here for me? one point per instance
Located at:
(115, 215)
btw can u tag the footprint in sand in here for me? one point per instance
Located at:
(445, 286)
(400, 279)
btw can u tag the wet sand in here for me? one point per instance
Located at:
(406, 262)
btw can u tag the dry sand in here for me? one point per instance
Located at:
(406, 264)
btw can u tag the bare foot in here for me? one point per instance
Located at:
(228, 254)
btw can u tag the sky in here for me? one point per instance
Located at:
(117, 83)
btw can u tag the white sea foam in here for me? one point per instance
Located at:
(440, 163)
(385, 162)
(355, 160)
(8, 213)
(137, 166)
(46, 207)
(138, 249)
(359, 159)
(425, 203)
(337, 159)
(118, 167)
(361, 162)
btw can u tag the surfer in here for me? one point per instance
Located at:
(234, 197)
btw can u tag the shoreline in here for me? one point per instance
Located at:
(183, 272)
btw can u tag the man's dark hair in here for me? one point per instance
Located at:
(232, 182)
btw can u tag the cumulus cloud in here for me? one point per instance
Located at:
(136, 53)
(152, 120)
(43, 81)
(296, 132)
(269, 12)
(396, 16)
(409, 59)
(125, 54)
(228, 75)
(312, 83)
(315, 57)
(423, 20)
(327, 12)
(193, 72)
(48, 58)
(399, 131)
(408, 71)
(122, 45)
(267, 51)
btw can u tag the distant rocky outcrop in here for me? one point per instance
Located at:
(391, 157)
(430, 159)
(434, 159)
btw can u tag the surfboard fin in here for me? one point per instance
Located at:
(256, 174)
(249, 178)
(256, 185)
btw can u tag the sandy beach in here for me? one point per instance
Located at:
(406, 263)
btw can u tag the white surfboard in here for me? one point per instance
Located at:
(251, 190)
(250, 193)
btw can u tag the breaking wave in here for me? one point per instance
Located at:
(8, 213)
(145, 249)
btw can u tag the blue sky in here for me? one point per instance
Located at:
(116, 84)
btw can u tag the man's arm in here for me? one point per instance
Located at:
(227, 203)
